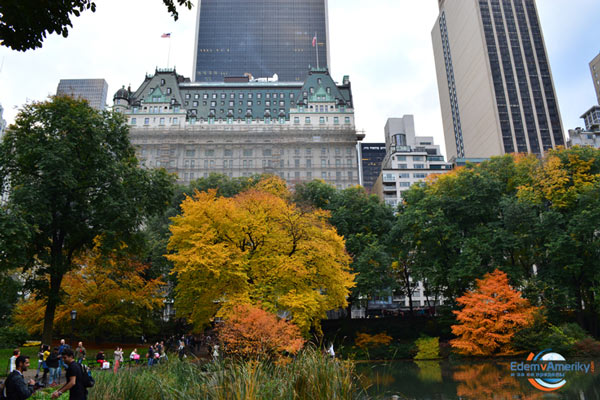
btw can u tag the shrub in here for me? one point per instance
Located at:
(587, 347)
(250, 332)
(366, 341)
(542, 335)
(428, 348)
(12, 336)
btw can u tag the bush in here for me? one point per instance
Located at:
(542, 335)
(366, 341)
(428, 348)
(587, 347)
(250, 332)
(13, 336)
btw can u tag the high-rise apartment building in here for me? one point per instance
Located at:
(299, 131)
(409, 159)
(495, 85)
(261, 38)
(595, 70)
(92, 90)
(370, 157)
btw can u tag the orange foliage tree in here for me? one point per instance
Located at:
(492, 314)
(257, 248)
(251, 332)
(109, 292)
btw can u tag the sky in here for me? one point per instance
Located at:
(383, 45)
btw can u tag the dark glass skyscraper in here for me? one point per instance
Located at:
(260, 37)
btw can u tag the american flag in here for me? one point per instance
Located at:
(166, 35)
(314, 42)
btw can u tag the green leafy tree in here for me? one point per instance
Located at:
(25, 23)
(365, 222)
(536, 219)
(70, 174)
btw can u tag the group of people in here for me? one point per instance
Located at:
(16, 388)
(51, 363)
(157, 353)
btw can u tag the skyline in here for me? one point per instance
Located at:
(385, 49)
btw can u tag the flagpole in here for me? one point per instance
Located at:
(317, 49)
(169, 53)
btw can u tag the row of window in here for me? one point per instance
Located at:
(296, 175)
(270, 163)
(404, 175)
(267, 152)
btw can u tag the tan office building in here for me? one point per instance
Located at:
(495, 85)
(595, 70)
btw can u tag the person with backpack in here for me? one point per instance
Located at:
(15, 387)
(78, 380)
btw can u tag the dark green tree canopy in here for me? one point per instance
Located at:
(25, 23)
(69, 174)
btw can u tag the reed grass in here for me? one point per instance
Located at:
(310, 376)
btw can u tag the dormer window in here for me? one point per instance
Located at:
(162, 82)
(168, 90)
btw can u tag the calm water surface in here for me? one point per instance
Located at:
(432, 380)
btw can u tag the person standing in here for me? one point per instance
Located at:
(13, 360)
(45, 355)
(61, 349)
(15, 387)
(53, 365)
(118, 359)
(80, 353)
(75, 386)
(40, 361)
(150, 356)
(134, 357)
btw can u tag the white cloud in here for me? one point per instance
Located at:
(384, 45)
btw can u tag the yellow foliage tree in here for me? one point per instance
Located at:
(257, 248)
(109, 293)
(491, 315)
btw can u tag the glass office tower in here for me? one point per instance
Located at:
(261, 38)
(93, 90)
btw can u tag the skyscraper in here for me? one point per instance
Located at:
(370, 158)
(595, 70)
(261, 38)
(496, 90)
(93, 90)
(2, 122)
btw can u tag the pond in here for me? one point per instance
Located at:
(433, 380)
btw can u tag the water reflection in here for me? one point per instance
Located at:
(432, 380)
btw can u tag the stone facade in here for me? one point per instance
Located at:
(299, 131)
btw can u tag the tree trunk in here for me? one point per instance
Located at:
(51, 304)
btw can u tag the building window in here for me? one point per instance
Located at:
(419, 166)
(402, 166)
(228, 153)
(321, 120)
(336, 120)
(404, 184)
(400, 158)
(323, 163)
(209, 152)
(347, 120)
(420, 175)
(162, 121)
(247, 152)
(307, 120)
(133, 121)
(308, 163)
(296, 120)
(190, 153)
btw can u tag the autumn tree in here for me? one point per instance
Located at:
(251, 332)
(256, 248)
(492, 313)
(109, 291)
(69, 173)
